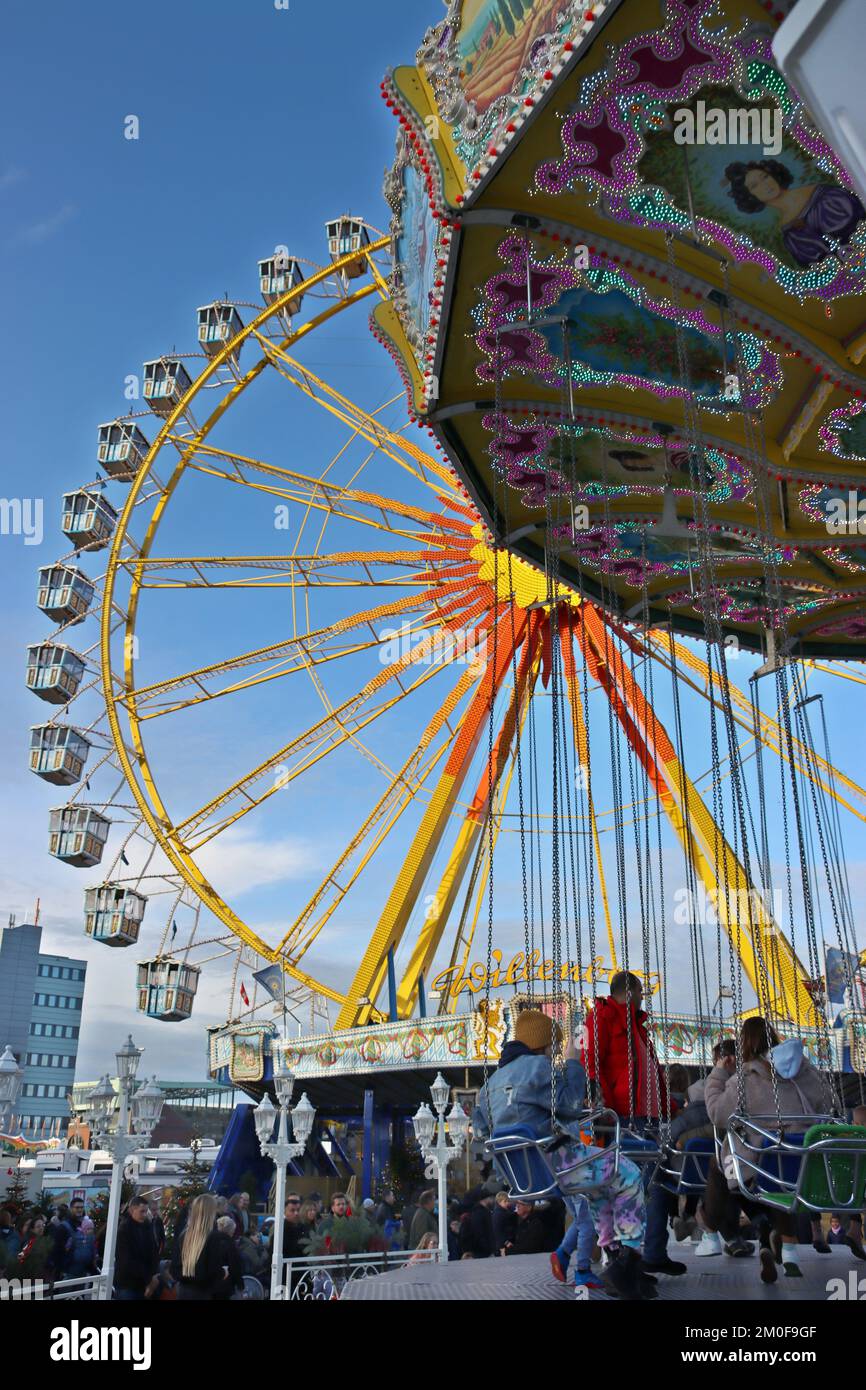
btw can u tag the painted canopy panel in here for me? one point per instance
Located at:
(646, 320)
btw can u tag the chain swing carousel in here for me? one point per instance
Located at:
(641, 412)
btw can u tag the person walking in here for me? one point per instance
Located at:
(424, 1221)
(230, 1255)
(136, 1259)
(198, 1263)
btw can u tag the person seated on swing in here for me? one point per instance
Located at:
(520, 1092)
(620, 1058)
(776, 1079)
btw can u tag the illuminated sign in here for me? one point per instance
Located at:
(520, 969)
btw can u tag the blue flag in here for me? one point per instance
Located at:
(841, 968)
(271, 979)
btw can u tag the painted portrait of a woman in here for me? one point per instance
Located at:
(814, 219)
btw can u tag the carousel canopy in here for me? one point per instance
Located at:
(627, 300)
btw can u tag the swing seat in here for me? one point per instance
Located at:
(687, 1168)
(518, 1158)
(523, 1159)
(832, 1174)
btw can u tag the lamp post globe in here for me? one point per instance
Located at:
(264, 1116)
(303, 1117)
(440, 1091)
(128, 1058)
(147, 1106)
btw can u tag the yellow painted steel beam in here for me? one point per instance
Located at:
(436, 919)
(391, 925)
(581, 750)
(828, 777)
(134, 761)
(277, 651)
(402, 788)
(395, 445)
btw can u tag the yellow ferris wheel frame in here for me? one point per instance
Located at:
(153, 810)
(357, 1005)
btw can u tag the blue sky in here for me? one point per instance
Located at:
(256, 125)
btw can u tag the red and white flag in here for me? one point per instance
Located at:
(244, 995)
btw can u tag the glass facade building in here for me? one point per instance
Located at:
(41, 999)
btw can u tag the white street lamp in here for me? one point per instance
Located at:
(10, 1085)
(441, 1140)
(281, 1151)
(128, 1058)
(138, 1116)
(147, 1106)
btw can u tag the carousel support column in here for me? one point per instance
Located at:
(392, 987)
(367, 1160)
(382, 1127)
(422, 998)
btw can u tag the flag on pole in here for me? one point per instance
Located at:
(173, 930)
(124, 858)
(271, 979)
(244, 995)
(841, 971)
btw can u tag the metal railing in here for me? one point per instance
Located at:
(323, 1278)
(84, 1289)
(761, 1143)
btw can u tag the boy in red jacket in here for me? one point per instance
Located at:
(619, 1057)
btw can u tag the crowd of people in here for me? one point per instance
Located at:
(618, 1217)
(609, 1226)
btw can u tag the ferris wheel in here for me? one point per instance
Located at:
(386, 596)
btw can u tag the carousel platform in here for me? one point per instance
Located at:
(527, 1277)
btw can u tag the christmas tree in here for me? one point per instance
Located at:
(16, 1199)
(194, 1180)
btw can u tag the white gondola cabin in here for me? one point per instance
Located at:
(54, 671)
(166, 382)
(58, 753)
(277, 276)
(121, 449)
(113, 914)
(64, 594)
(166, 989)
(88, 519)
(345, 235)
(217, 324)
(77, 835)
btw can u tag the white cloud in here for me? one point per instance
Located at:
(238, 861)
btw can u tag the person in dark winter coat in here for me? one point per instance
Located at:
(198, 1263)
(504, 1222)
(531, 1236)
(387, 1208)
(136, 1259)
(230, 1257)
(424, 1222)
(476, 1228)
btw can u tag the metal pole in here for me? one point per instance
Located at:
(279, 1206)
(442, 1173)
(117, 1166)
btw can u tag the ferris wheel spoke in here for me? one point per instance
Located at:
(404, 785)
(351, 567)
(323, 737)
(364, 424)
(294, 647)
(828, 777)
